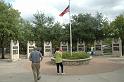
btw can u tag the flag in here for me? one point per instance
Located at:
(65, 11)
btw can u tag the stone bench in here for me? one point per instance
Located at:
(73, 61)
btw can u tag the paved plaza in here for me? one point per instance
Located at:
(100, 69)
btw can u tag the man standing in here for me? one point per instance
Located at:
(36, 57)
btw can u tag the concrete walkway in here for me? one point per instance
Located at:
(17, 72)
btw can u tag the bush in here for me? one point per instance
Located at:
(75, 55)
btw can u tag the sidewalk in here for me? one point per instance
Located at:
(20, 72)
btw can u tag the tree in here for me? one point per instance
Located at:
(83, 28)
(118, 28)
(88, 28)
(9, 20)
(25, 34)
(56, 34)
(42, 26)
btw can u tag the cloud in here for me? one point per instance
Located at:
(109, 8)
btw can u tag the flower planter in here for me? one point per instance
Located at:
(73, 61)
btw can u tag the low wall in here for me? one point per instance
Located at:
(73, 62)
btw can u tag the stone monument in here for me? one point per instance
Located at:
(47, 48)
(14, 50)
(117, 47)
(98, 47)
(30, 47)
(80, 46)
(64, 46)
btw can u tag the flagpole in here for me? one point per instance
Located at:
(70, 28)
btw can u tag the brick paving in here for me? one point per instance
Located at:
(100, 69)
(97, 65)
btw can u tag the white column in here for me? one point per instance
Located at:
(98, 47)
(47, 49)
(14, 50)
(117, 47)
(80, 46)
(64, 46)
(30, 47)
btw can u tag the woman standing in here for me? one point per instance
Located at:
(58, 60)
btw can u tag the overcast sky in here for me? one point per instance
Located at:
(109, 8)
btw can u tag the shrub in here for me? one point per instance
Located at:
(75, 55)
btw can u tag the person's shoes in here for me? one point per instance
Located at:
(62, 73)
(58, 73)
(39, 78)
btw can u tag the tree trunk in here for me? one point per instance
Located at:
(123, 47)
(2, 46)
(3, 57)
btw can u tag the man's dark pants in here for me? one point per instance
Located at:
(35, 69)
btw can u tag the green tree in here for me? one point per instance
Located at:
(9, 20)
(118, 28)
(42, 26)
(56, 34)
(99, 33)
(88, 28)
(25, 34)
